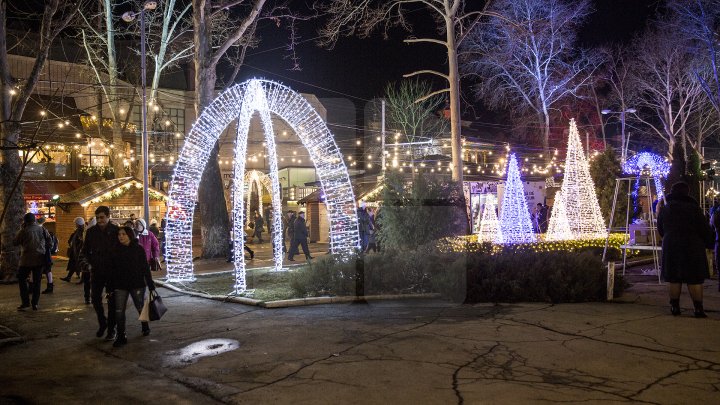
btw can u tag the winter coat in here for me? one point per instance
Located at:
(686, 234)
(150, 244)
(259, 224)
(300, 230)
(99, 247)
(75, 242)
(155, 230)
(33, 240)
(130, 270)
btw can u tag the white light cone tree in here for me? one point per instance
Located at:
(489, 228)
(261, 181)
(241, 102)
(578, 192)
(515, 223)
(559, 228)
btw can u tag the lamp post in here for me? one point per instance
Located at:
(623, 147)
(129, 16)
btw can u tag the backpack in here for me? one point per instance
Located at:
(54, 249)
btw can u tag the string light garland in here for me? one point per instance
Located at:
(470, 244)
(489, 227)
(559, 227)
(240, 102)
(578, 192)
(515, 223)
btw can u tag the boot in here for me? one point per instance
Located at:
(699, 311)
(675, 306)
(65, 279)
(49, 289)
(120, 340)
(101, 329)
(145, 328)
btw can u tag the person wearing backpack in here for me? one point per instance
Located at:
(47, 269)
(34, 243)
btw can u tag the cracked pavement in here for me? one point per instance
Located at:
(401, 352)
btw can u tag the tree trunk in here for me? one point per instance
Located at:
(14, 208)
(454, 79)
(215, 224)
(117, 161)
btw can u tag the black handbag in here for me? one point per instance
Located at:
(155, 264)
(157, 308)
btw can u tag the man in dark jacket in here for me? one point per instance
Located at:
(300, 235)
(259, 226)
(34, 242)
(686, 234)
(100, 242)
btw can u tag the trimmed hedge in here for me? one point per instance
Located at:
(474, 277)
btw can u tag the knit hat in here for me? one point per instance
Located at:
(29, 218)
(138, 223)
(79, 221)
(153, 221)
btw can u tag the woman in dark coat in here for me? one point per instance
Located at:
(686, 234)
(130, 275)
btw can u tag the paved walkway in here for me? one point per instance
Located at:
(396, 352)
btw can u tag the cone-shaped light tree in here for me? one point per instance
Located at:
(578, 192)
(489, 229)
(559, 228)
(515, 223)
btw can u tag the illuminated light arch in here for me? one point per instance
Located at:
(260, 180)
(239, 103)
(646, 163)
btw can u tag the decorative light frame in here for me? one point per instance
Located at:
(515, 222)
(559, 227)
(578, 192)
(489, 224)
(241, 102)
(651, 164)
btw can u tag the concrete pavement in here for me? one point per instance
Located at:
(400, 352)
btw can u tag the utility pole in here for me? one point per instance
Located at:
(382, 137)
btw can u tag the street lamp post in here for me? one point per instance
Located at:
(129, 17)
(623, 147)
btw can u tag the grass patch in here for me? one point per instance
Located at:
(262, 284)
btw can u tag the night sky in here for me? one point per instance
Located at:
(360, 68)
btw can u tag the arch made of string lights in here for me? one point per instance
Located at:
(260, 180)
(240, 103)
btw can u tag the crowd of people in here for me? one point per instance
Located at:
(113, 263)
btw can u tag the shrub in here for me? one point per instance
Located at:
(537, 277)
(476, 277)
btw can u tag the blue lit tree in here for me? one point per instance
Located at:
(515, 223)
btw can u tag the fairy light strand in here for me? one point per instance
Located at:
(515, 223)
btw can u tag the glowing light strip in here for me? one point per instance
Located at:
(240, 102)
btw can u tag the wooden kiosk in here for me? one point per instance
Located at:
(124, 196)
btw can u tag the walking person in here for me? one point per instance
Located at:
(259, 223)
(129, 275)
(34, 242)
(154, 229)
(74, 245)
(291, 232)
(686, 234)
(47, 269)
(300, 236)
(148, 241)
(363, 225)
(101, 241)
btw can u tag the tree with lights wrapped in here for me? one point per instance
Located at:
(489, 230)
(578, 192)
(515, 223)
(559, 228)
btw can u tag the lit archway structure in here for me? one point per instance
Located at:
(240, 103)
(261, 181)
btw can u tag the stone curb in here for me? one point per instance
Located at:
(239, 300)
(296, 302)
(299, 302)
(9, 337)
